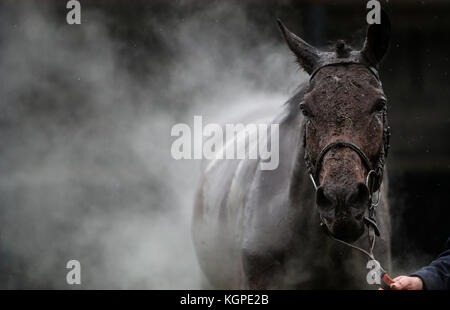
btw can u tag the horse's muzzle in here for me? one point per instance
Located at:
(342, 209)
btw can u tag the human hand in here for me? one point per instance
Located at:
(407, 283)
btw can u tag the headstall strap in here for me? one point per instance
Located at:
(371, 69)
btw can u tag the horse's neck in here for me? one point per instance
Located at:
(292, 165)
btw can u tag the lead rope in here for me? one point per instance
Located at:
(369, 254)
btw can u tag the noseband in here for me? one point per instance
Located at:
(374, 176)
(315, 173)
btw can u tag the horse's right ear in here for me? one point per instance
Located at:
(307, 55)
(377, 40)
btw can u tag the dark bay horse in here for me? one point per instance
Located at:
(259, 229)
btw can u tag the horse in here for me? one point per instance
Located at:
(270, 229)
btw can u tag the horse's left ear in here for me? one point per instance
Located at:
(377, 40)
(307, 55)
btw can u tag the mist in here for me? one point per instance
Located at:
(85, 117)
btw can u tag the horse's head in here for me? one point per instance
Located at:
(345, 126)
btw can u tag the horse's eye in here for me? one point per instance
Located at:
(379, 106)
(305, 110)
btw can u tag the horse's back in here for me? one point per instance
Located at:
(217, 219)
(220, 213)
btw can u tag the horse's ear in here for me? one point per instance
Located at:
(307, 55)
(377, 40)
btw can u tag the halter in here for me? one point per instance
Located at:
(374, 176)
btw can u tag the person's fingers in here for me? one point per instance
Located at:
(399, 283)
(403, 279)
(406, 283)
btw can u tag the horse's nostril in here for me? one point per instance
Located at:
(359, 194)
(322, 200)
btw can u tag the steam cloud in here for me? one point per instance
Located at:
(86, 171)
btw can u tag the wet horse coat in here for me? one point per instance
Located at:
(259, 229)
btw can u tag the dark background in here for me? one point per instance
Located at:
(415, 76)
